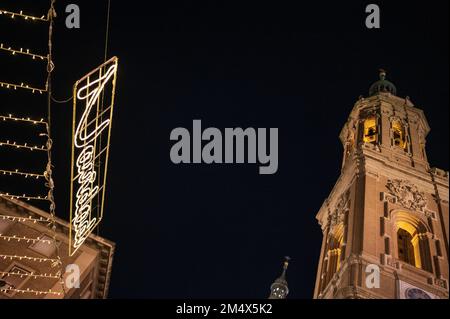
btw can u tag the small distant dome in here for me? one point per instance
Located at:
(382, 85)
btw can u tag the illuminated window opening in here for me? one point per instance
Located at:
(412, 241)
(370, 130)
(399, 135)
(334, 254)
(338, 254)
(405, 247)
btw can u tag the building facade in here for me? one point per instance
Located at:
(28, 257)
(385, 223)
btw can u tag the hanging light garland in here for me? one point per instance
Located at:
(15, 86)
(22, 51)
(25, 239)
(17, 172)
(38, 259)
(32, 275)
(20, 14)
(23, 196)
(25, 219)
(21, 119)
(31, 291)
(24, 146)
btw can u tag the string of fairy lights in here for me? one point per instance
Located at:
(23, 196)
(46, 175)
(23, 257)
(17, 172)
(21, 119)
(25, 219)
(24, 146)
(23, 52)
(20, 14)
(23, 86)
(31, 291)
(32, 275)
(25, 239)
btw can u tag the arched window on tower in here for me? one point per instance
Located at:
(370, 130)
(398, 134)
(412, 242)
(339, 254)
(405, 247)
(334, 255)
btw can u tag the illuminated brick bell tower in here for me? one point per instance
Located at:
(388, 210)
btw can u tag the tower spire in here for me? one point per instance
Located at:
(382, 74)
(279, 289)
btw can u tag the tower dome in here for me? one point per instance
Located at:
(382, 85)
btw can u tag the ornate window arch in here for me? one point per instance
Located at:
(399, 136)
(334, 251)
(412, 245)
(370, 129)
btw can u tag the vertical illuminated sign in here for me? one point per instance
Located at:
(93, 105)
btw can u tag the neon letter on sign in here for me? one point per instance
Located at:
(93, 103)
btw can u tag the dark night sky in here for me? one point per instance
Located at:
(222, 230)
